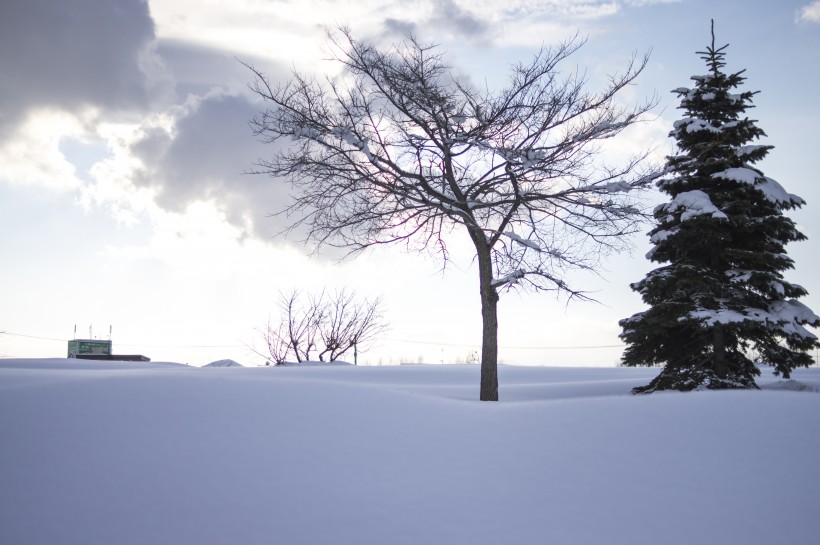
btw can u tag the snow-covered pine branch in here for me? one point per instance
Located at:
(770, 188)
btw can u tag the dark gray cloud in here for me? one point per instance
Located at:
(449, 18)
(198, 69)
(72, 53)
(207, 159)
(448, 15)
(69, 54)
(395, 27)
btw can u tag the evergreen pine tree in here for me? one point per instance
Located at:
(721, 292)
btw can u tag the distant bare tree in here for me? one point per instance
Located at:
(277, 342)
(329, 324)
(347, 322)
(398, 149)
(301, 325)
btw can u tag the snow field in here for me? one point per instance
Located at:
(106, 452)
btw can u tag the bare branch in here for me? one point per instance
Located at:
(397, 149)
(327, 324)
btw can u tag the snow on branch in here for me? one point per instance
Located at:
(346, 134)
(510, 279)
(603, 128)
(693, 124)
(619, 187)
(745, 151)
(523, 241)
(662, 235)
(526, 158)
(791, 309)
(702, 79)
(739, 174)
(789, 316)
(770, 188)
(693, 203)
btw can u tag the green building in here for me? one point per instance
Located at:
(88, 347)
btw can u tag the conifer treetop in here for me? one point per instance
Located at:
(714, 56)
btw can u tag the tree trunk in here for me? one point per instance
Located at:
(489, 338)
(718, 337)
(719, 345)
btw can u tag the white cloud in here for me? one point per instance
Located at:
(196, 239)
(809, 13)
(111, 185)
(641, 3)
(32, 155)
(293, 32)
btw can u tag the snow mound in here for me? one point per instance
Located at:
(80, 364)
(791, 385)
(398, 455)
(224, 363)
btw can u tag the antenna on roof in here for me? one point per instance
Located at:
(110, 327)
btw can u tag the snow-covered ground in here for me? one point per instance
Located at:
(106, 453)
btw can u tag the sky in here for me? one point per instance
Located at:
(126, 210)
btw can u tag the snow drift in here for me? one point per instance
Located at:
(98, 453)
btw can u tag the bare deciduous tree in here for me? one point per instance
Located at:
(349, 322)
(302, 321)
(398, 149)
(277, 342)
(330, 324)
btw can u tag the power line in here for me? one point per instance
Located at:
(129, 344)
(183, 345)
(408, 341)
(32, 336)
(428, 343)
(562, 347)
